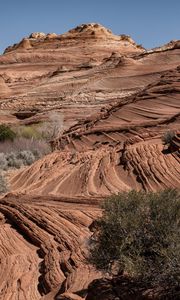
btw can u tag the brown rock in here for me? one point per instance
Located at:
(128, 98)
(24, 44)
(37, 35)
(120, 149)
(68, 296)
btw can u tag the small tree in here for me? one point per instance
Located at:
(139, 234)
(6, 133)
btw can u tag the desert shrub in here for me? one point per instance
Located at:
(18, 159)
(21, 152)
(13, 161)
(167, 137)
(54, 127)
(3, 185)
(139, 233)
(6, 133)
(3, 162)
(40, 147)
(27, 157)
(29, 132)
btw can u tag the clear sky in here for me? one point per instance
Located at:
(149, 22)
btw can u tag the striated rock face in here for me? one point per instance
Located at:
(4, 89)
(175, 144)
(119, 149)
(25, 44)
(43, 246)
(126, 98)
(78, 72)
(66, 72)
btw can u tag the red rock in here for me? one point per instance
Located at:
(128, 98)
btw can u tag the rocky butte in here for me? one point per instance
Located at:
(117, 99)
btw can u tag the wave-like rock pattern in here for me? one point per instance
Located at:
(43, 245)
(52, 71)
(19, 262)
(119, 150)
(77, 72)
(46, 222)
(101, 172)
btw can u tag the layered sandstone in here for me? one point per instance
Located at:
(43, 246)
(131, 98)
(120, 149)
(77, 72)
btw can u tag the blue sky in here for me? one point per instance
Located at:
(149, 22)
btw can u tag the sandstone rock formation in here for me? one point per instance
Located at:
(125, 98)
(77, 72)
(4, 89)
(117, 150)
(37, 35)
(43, 246)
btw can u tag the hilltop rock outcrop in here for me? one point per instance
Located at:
(79, 71)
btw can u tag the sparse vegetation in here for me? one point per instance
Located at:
(3, 162)
(27, 143)
(3, 185)
(139, 233)
(6, 133)
(18, 159)
(29, 132)
(13, 161)
(27, 157)
(53, 128)
(21, 152)
(167, 137)
(20, 144)
(21, 147)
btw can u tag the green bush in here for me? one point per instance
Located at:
(139, 234)
(6, 133)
